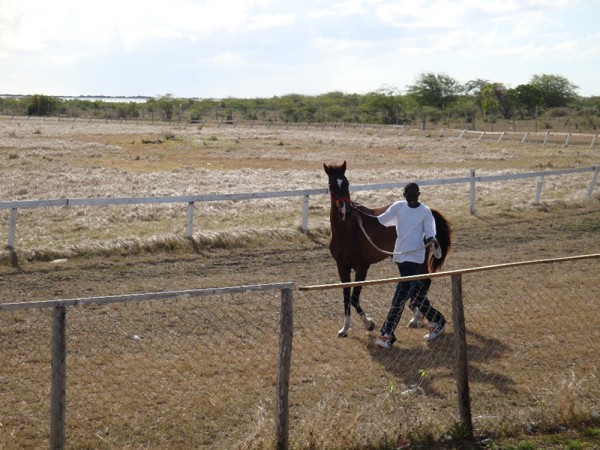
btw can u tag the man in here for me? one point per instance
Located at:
(414, 224)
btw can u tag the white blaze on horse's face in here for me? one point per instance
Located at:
(343, 210)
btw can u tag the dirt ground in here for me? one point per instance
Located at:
(50, 159)
(478, 242)
(43, 160)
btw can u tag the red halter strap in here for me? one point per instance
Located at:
(341, 199)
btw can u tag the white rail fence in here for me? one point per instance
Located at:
(192, 200)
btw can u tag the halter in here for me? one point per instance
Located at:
(342, 201)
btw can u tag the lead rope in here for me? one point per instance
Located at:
(360, 224)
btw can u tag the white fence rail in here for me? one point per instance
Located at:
(191, 200)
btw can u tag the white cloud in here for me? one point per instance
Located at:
(228, 59)
(289, 45)
(270, 21)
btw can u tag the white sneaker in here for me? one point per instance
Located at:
(416, 321)
(435, 330)
(385, 341)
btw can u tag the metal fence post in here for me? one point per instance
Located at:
(58, 393)
(284, 362)
(462, 361)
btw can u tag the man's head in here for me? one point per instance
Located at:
(411, 194)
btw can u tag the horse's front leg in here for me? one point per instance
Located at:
(345, 277)
(361, 275)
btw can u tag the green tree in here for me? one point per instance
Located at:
(42, 105)
(385, 102)
(555, 90)
(496, 99)
(164, 106)
(465, 108)
(437, 91)
(527, 97)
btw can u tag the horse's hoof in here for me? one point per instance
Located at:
(371, 326)
(344, 330)
(342, 334)
(367, 322)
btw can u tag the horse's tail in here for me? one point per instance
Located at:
(444, 237)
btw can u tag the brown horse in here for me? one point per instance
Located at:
(352, 250)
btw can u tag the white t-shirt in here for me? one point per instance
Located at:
(412, 226)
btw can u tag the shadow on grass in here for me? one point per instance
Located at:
(438, 360)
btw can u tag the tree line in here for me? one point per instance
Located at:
(432, 98)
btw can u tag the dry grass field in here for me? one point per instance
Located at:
(203, 376)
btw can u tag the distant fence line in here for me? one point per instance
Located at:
(543, 137)
(191, 200)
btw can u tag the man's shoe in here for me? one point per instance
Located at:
(416, 322)
(435, 330)
(385, 341)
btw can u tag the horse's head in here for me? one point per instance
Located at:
(339, 188)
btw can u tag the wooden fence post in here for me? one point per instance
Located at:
(462, 361)
(538, 190)
(190, 220)
(284, 362)
(593, 181)
(305, 214)
(12, 228)
(58, 393)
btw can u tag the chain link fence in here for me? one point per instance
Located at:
(175, 373)
(190, 372)
(532, 340)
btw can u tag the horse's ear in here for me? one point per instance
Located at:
(326, 167)
(344, 167)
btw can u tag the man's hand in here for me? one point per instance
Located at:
(437, 250)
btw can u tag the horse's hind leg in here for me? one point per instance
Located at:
(361, 275)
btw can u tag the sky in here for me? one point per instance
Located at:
(267, 48)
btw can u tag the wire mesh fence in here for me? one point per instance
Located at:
(532, 344)
(201, 372)
(178, 373)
